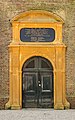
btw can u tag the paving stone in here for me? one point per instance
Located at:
(37, 114)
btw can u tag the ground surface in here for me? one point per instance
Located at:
(37, 114)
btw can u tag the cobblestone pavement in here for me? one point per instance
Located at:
(37, 114)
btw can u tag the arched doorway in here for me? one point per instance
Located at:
(37, 83)
(48, 42)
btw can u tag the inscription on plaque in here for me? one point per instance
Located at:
(37, 34)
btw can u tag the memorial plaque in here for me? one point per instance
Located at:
(37, 34)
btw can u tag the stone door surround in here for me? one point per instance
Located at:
(21, 51)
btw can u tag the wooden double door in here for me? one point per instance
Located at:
(37, 89)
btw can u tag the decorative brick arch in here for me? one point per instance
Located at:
(21, 51)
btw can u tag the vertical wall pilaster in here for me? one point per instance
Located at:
(59, 79)
(15, 78)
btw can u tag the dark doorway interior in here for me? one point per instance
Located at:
(37, 86)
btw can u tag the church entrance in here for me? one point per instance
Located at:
(37, 83)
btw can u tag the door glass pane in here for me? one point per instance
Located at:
(29, 83)
(30, 64)
(46, 83)
(44, 64)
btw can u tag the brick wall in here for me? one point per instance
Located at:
(11, 8)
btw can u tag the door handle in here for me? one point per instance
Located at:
(39, 85)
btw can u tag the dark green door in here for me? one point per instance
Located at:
(37, 83)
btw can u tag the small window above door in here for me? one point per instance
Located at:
(37, 63)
